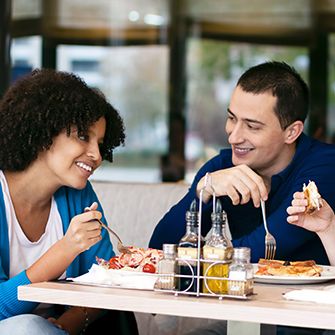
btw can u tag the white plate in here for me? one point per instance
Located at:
(327, 274)
(99, 276)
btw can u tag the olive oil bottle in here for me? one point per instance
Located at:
(217, 254)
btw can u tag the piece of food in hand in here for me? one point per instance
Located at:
(139, 259)
(285, 268)
(313, 197)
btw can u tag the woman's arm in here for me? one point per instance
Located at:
(321, 222)
(83, 233)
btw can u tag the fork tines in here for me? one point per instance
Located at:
(270, 251)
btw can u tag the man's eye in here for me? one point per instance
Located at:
(253, 127)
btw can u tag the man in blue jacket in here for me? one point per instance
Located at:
(270, 158)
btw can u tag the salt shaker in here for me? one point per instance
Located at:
(241, 273)
(167, 268)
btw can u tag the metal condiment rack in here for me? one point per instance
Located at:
(199, 278)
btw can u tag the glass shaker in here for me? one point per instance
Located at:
(167, 268)
(241, 274)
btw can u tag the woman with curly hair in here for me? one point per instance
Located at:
(54, 133)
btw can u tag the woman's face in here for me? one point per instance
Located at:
(73, 159)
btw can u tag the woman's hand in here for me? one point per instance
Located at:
(84, 231)
(76, 319)
(319, 221)
(55, 322)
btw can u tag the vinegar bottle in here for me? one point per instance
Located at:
(188, 252)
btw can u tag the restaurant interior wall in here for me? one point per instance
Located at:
(169, 67)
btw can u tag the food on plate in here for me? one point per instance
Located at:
(140, 259)
(284, 268)
(149, 268)
(313, 197)
(273, 262)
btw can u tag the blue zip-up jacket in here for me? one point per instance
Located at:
(70, 202)
(313, 160)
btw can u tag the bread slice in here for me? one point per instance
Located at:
(313, 197)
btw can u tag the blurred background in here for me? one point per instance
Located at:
(169, 66)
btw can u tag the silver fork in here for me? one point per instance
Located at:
(120, 246)
(270, 242)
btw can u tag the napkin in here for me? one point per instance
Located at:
(322, 296)
(98, 275)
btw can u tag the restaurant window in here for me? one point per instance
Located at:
(25, 55)
(84, 65)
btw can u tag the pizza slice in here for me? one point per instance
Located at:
(294, 269)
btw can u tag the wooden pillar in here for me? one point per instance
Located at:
(173, 165)
(318, 83)
(49, 56)
(5, 41)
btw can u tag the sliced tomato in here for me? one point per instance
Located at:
(114, 263)
(149, 268)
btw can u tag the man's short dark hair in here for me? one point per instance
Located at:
(285, 83)
(42, 104)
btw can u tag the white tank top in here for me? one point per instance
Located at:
(23, 253)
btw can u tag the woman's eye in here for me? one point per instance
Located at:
(83, 137)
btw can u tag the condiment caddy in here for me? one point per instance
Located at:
(206, 267)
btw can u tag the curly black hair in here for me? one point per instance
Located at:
(42, 104)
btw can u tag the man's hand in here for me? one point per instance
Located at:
(239, 183)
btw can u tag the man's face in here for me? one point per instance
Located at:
(255, 134)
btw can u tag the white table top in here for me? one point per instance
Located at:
(267, 306)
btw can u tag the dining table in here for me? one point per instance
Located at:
(244, 316)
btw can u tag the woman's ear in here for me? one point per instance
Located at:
(293, 131)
